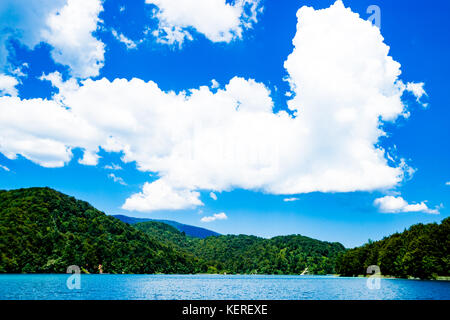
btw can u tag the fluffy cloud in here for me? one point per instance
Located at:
(160, 195)
(23, 19)
(4, 167)
(117, 179)
(345, 84)
(344, 87)
(8, 85)
(214, 217)
(391, 204)
(42, 149)
(67, 25)
(416, 89)
(447, 183)
(213, 195)
(69, 30)
(290, 199)
(217, 20)
(90, 158)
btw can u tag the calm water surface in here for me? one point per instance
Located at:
(154, 287)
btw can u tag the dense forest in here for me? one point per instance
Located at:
(250, 254)
(42, 230)
(45, 231)
(422, 251)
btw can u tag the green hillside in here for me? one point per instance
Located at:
(422, 251)
(42, 230)
(164, 233)
(45, 231)
(251, 254)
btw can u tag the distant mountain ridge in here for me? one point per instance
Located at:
(193, 231)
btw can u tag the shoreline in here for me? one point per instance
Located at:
(438, 278)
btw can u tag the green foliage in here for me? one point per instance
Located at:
(42, 230)
(422, 251)
(250, 254)
(163, 233)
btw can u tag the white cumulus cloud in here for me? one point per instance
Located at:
(214, 217)
(24, 20)
(67, 25)
(217, 20)
(159, 195)
(416, 89)
(344, 87)
(69, 30)
(8, 85)
(4, 167)
(392, 204)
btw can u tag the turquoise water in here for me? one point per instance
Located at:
(170, 287)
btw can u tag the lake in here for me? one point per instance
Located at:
(233, 287)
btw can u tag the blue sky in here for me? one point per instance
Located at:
(329, 209)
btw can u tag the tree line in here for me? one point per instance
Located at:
(45, 231)
(422, 251)
(245, 254)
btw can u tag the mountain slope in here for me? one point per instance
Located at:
(250, 254)
(422, 251)
(42, 230)
(280, 255)
(192, 231)
(164, 233)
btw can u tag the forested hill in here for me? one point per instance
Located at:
(42, 230)
(192, 231)
(250, 254)
(422, 251)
